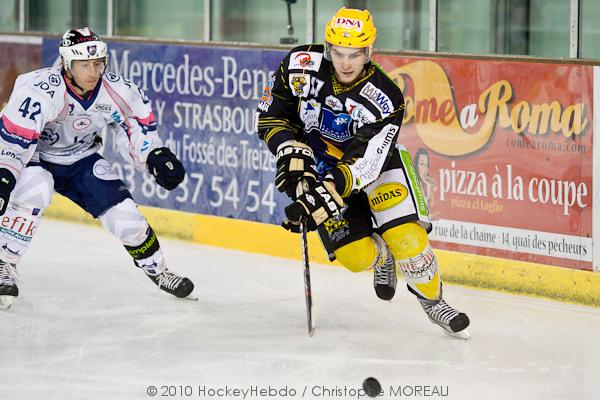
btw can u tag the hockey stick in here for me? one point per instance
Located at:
(307, 288)
(301, 188)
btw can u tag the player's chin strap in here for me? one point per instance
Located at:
(72, 81)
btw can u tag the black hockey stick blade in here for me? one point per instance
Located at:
(307, 288)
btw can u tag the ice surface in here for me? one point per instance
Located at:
(89, 325)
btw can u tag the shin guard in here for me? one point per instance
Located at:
(409, 244)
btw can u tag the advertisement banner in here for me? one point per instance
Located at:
(504, 153)
(503, 149)
(24, 57)
(204, 100)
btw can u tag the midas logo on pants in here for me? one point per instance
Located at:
(387, 196)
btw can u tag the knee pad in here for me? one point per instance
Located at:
(359, 255)
(34, 188)
(406, 240)
(410, 245)
(126, 222)
(363, 254)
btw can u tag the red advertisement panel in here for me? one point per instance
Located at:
(17, 58)
(504, 152)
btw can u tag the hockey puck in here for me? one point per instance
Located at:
(372, 387)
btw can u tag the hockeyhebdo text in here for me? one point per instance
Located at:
(506, 184)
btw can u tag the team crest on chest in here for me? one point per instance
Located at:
(299, 84)
(335, 126)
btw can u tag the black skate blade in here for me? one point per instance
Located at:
(192, 297)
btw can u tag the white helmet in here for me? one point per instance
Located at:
(82, 44)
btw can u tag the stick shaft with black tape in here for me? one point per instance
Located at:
(307, 287)
(300, 189)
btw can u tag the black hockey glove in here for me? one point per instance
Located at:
(7, 184)
(295, 161)
(316, 205)
(165, 167)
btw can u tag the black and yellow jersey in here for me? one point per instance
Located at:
(304, 101)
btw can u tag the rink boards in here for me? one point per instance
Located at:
(510, 161)
(472, 270)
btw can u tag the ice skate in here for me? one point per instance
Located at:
(453, 322)
(384, 274)
(8, 284)
(169, 281)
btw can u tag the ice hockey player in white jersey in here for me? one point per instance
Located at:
(49, 140)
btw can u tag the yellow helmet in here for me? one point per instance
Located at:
(351, 28)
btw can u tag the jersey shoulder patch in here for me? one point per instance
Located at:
(128, 93)
(376, 96)
(307, 57)
(123, 86)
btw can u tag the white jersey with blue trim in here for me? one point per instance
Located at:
(44, 117)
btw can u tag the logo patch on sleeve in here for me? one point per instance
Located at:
(267, 98)
(309, 60)
(377, 98)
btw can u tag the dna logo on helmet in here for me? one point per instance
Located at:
(348, 23)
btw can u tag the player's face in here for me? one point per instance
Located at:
(87, 73)
(348, 63)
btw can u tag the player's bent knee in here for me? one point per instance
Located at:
(416, 260)
(359, 255)
(406, 240)
(34, 188)
(125, 221)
